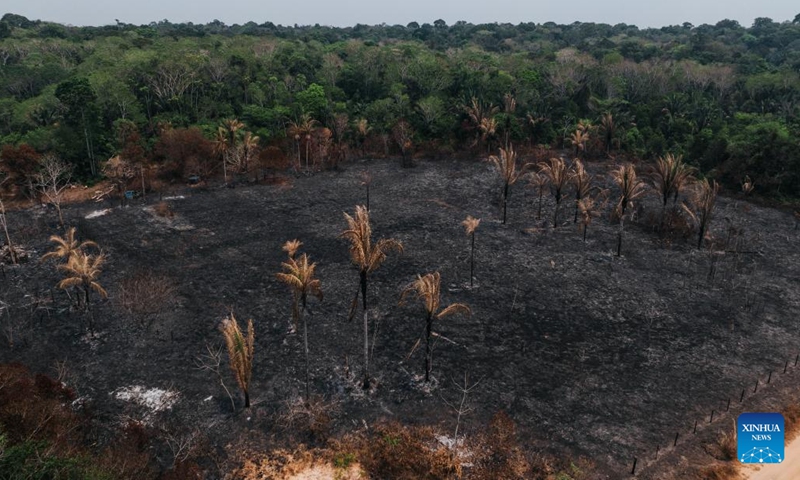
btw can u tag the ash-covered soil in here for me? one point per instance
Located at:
(592, 355)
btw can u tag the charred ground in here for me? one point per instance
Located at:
(592, 355)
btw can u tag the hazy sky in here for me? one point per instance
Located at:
(644, 13)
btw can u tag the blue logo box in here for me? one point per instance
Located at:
(760, 438)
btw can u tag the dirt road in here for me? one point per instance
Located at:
(788, 470)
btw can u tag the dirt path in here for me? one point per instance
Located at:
(788, 470)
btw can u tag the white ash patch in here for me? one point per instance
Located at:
(98, 213)
(174, 197)
(153, 399)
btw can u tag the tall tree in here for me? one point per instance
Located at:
(470, 225)
(367, 256)
(582, 182)
(298, 273)
(557, 176)
(631, 188)
(428, 290)
(51, 181)
(701, 206)
(301, 129)
(506, 166)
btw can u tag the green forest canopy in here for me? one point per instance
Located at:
(725, 96)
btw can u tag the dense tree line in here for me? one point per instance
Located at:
(724, 96)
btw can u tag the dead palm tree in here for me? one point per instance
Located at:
(428, 290)
(670, 174)
(67, 246)
(240, 352)
(249, 150)
(579, 138)
(590, 208)
(747, 185)
(506, 165)
(362, 129)
(539, 181)
(488, 129)
(631, 188)
(582, 182)
(291, 247)
(299, 275)
(609, 127)
(557, 176)
(479, 113)
(81, 272)
(302, 128)
(231, 126)
(470, 225)
(220, 141)
(701, 206)
(367, 256)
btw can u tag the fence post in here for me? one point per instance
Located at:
(786, 366)
(729, 404)
(676, 439)
(712, 416)
(695, 427)
(755, 389)
(741, 399)
(769, 379)
(658, 448)
(633, 470)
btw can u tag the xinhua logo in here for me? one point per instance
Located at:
(760, 438)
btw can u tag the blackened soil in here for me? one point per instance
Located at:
(591, 354)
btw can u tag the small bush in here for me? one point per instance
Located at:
(144, 295)
(400, 452)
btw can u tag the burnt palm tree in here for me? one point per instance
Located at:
(479, 114)
(367, 256)
(231, 126)
(362, 129)
(81, 272)
(291, 247)
(609, 127)
(582, 182)
(670, 174)
(428, 289)
(506, 165)
(590, 208)
(302, 128)
(539, 182)
(747, 185)
(298, 273)
(701, 207)
(631, 188)
(579, 138)
(470, 225)
(557, 176)
(240, 353)
(67, 246)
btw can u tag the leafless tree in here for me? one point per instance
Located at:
(51, 181)
(211, 361)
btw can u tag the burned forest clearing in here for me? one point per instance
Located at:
(593, 355)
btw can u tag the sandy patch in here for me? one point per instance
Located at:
(153, 399)
(98, 213)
